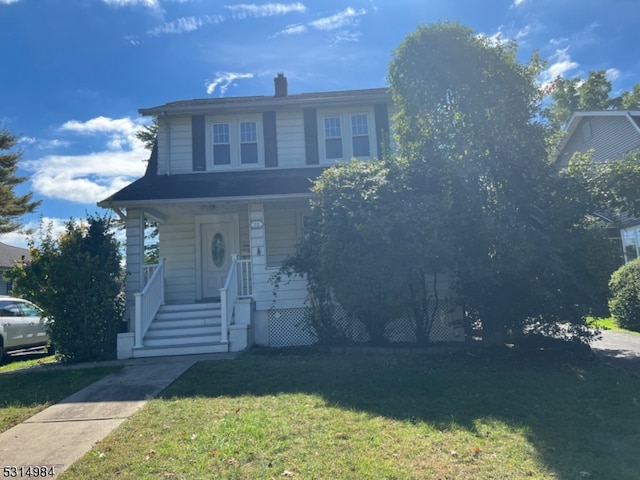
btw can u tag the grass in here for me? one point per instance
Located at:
(23, 394)
(501, 416)
(607, 324)
(27, 361)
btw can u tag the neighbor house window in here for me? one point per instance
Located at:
(630, 243)
(237, 142)
(360, 135)
(333, 137)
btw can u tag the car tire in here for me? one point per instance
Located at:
(1, 351)
(51, 349)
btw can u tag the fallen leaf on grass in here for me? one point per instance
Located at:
(476, 451)
(454, 453)
(287, 473)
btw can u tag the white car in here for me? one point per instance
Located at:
(22, 325)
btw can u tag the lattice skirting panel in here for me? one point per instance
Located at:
(287, 327)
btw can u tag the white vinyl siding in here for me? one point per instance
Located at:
(611, 138)
(177, 246)
(284, 226)
(174, 144)
(290, 131)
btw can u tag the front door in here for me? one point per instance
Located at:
(218, 241)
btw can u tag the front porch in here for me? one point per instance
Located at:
(216, 274)
(162, 329)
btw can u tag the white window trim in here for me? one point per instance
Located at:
(347, 138)
(234, 138)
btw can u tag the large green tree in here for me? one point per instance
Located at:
(12, 206)
(467, 113)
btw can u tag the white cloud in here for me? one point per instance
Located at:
(561, 64)
(267, 10)
(91, 177)
(41, 144)
(8, 2)
(185, 24)
(612, 74)
(517, 3)
(224, 80)
(293, 30)
(346, 36)
(347, 17)
(133, 3)
(32, 229)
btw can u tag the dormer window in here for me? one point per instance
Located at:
(360, 135)
(345, 135)
(236, 143)
(248, 143)
(221, 144)
(333, 137)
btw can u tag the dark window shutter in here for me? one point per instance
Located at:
(381, 114)
(311, 136)
(270, 139)
(198, 143)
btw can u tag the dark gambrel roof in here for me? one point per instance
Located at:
(237, 184)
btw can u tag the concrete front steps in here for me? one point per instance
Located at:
(183, 330)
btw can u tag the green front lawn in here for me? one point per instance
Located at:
(506, 415)
(23, 394)
(607, 324)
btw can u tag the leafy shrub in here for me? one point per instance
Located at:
(76, 279)
(624, 303)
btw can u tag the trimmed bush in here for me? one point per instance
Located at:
(624, 303)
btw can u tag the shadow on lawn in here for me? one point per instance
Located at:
(575, 411)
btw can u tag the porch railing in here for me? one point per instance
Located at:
(148, 301)
(147, 271)
(228, 295)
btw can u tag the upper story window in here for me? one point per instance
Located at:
(333, 137)
(345, 135)
(236, 143)
(221, 144)
(360, 135)
(248, 142)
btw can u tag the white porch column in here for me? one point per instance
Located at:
(135, 260)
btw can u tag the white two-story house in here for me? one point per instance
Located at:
(228, 184)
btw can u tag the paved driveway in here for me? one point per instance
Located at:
(620, 349)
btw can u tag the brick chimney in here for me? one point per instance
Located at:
(281, 85)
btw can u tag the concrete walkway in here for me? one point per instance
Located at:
(64, 432)
(619, 349)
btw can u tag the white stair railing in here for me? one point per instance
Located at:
(228, 295)
(147, 303)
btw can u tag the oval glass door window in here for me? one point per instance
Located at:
(217, 250)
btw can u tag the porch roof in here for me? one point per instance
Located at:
(213, 185)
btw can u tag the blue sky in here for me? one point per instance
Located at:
(75, 72)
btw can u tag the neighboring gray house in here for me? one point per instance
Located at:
(228, 183)
(9, 256)
(610, 134)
